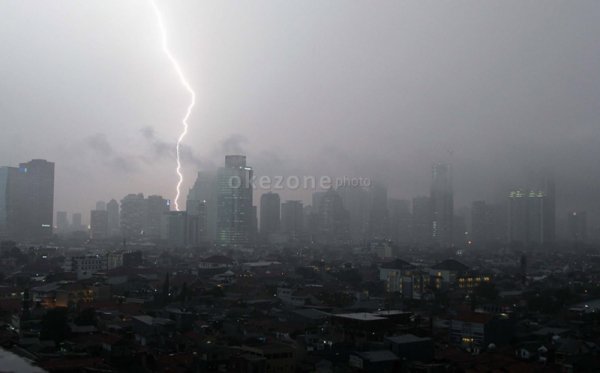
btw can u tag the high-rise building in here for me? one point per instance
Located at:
(577, 226)
(27, 200)
(98, 224)
(202, 203)
(549, 189)
(132, 218)
(442, 205)
(481, 232)
(333, 220)
(400, 221)
(101, 205)
(9, 201)
(356, 201)
(378, 213)
(62, 222)
(235, 213)
(156, 207)
(292, 220)
(422, 221)
(112, 209)
(526, 217)
(270, 214)
(175, 228)
(77, 223)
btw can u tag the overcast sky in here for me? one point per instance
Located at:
(506, 90)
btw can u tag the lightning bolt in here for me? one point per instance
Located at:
(188, 87)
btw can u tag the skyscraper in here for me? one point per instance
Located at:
(270, 214)
(577, 226)
(356, 201)
(77, 222)
(442, 204)
(400, 221)
(202, 203)
(234, 202)
(100, 205)
(526, 217)
(62, 222)
(112, 209)
(481, 223)
(422, 221)
(378, 212)
(333, 220)
(27, 200)
(133, 211)
(292, 220)
(98, 224)
(156, 207)
(9, 199)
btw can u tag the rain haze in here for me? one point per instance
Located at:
(505, 91)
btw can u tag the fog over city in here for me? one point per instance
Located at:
(505, 91)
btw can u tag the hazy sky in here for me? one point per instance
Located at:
(360, 88)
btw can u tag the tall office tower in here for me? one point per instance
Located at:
(481, 224)
(400, 221)
(62, 222)
(317, 197)
(9, 200)
(333, 220)
(202, 203)
(459, 226)
(310, 222)
(549, 223)
(77, 222)
(422, 221)
(132, 217)
(156, 207)
(356, 202)
(526, 217)
(577, 226)
(442, 205)
(112, 209)
(175, 228)
(292, 220)
(378, 213)
(33, 196)
(101, 205)
(235, 212)
(98, 224)
(270, 214)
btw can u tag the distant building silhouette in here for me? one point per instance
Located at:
(235, 212)
(98, 224)
(422, 221)
(27, 200)
(333, 220)
(442, 204)
(526, 217)
(400, 221)
(270, 215)
(112, 209)
(77, 223)
(133, 212)
(378, 213)
(62, 222)
(577, 226)
(356, 201)
(202, 206)
(292, 220)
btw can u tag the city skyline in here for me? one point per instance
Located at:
(507, 107)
